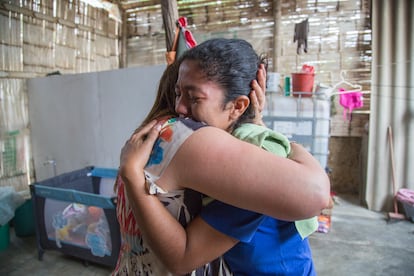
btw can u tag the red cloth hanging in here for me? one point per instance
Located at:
(189, 38)
(183, 41)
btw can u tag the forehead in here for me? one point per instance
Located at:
(193, 80)
(189, 71)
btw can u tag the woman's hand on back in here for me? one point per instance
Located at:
(137, 150)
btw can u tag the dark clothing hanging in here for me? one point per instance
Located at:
(301, 35)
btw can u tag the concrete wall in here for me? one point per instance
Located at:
(84, 119)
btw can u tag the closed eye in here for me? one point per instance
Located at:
(194, 100)
(177, 92)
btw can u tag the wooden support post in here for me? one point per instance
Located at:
(124, 39)
(169, 10)
(277, 14)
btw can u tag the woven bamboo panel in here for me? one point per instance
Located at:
(70, 36)
(339, 39)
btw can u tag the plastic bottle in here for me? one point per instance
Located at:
(287, 86)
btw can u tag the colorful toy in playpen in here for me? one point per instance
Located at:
(81, 224)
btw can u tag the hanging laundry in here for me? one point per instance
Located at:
(183, 41)
(301, 35)
(189, 38)
(350, 100)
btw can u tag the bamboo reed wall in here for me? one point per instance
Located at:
(38, 38)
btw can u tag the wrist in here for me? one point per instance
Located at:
(134, 180)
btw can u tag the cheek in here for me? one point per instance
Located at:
(210, 118)
(200, 114)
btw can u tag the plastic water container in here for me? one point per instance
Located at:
(273, 82)
(23, 221)
(4, 237)
(305, 120)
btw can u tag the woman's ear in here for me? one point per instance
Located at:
(240, 105)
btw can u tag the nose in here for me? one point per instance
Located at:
(182, 107)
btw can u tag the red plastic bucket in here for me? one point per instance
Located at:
(302, 84)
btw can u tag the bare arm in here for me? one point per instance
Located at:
(210, 162)
(262, 182)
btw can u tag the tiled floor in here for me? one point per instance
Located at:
(360, 242)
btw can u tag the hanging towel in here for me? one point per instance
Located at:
(263, 137)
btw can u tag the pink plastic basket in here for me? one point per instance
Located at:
(406, 197)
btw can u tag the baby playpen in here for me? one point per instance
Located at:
(75, 214)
